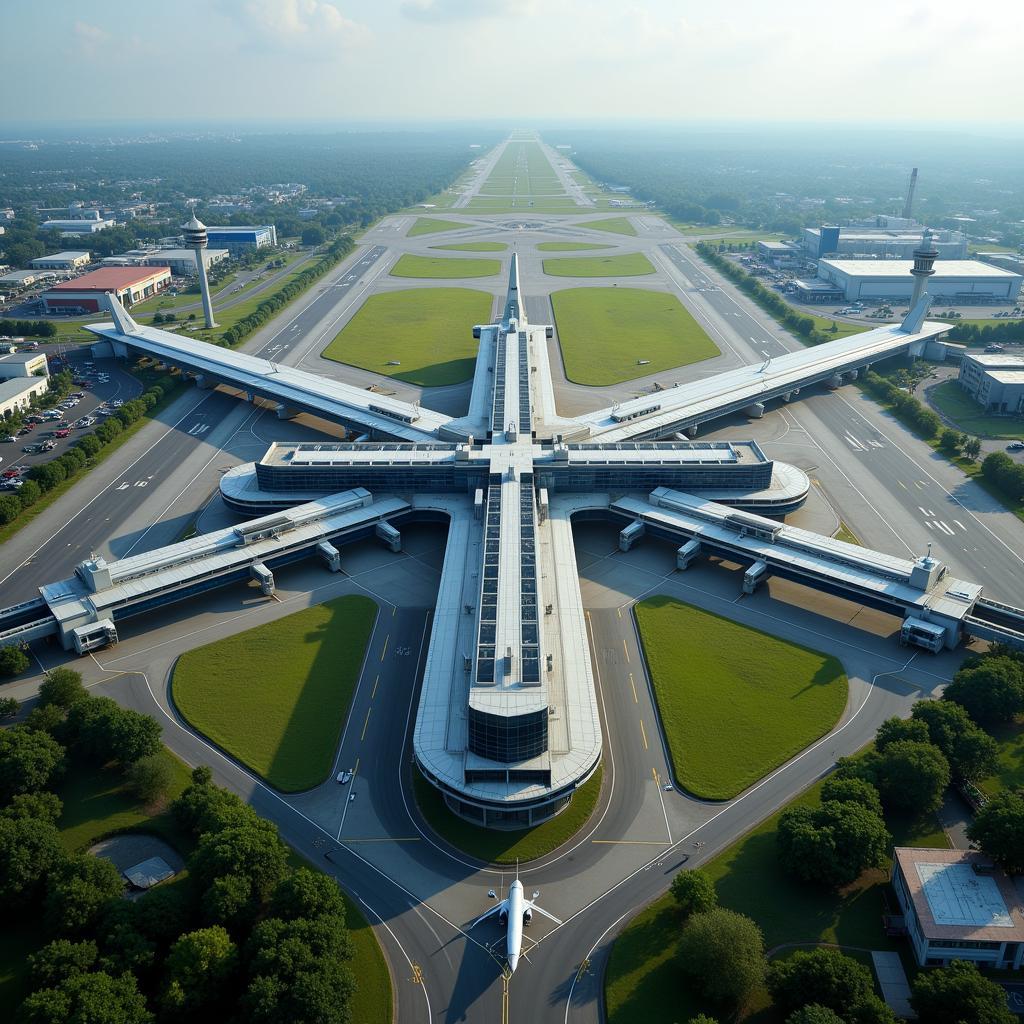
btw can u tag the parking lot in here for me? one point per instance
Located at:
(102, 387)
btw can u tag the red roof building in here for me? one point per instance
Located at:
(85, 293)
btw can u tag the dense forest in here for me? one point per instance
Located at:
(784, 179)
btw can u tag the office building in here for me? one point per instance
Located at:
(23, 364)
(72, 260)
(16, 393)
(957, 905)
(995, 381)
(894, 243)
(239, 239)
(76, 228)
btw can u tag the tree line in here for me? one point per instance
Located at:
(242, 937)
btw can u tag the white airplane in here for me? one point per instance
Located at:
(514, 911)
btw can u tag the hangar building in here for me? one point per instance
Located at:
(956, 282)
(129, 284)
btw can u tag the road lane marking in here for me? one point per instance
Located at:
(375, 682)
(384, 649)
(366, 724)
(625, 648)
(643, 733)
(633, 686)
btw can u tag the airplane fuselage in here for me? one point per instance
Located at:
(514, 932)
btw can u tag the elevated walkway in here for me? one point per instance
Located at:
(294, 390)
(747, 388)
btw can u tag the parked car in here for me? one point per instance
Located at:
(9, 438)
(1015, 446)
(63, 433)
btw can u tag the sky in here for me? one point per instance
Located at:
(516, 61)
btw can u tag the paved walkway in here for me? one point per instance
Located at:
(955, 816)
(893, 981)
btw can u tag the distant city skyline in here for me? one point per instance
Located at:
(251, 60)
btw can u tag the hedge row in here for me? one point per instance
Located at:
(27, 329)
(1004, 474)
(914, 413)
(298, 284)
(49, 475)
(768, 300)
(985, 334)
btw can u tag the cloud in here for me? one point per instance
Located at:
(310, 25)
(89, 39)
(460, 10)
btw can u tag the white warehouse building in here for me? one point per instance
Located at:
(956, 282)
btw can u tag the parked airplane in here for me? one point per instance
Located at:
(514, 912)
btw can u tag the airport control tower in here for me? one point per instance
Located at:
(195, 238)
(924, 266)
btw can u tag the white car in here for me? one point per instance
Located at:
(344, 778)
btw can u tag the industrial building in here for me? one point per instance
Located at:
(76, 228)
(956, 282)
(958, 905)
(18, 280)
(995, 381)
(71, 260)
(23, 364)
(16, 393)
(238, 239)
(892, 243)
(180, 262)
(85, 294)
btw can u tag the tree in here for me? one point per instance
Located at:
(950, 440)
(87, 999)
(251, 851)
(78, 891)
(63, 687)
(313, 235)
(836, 789)
(892, 730)
(9, 707)
(911, 776)
(203, 807)
(831, 845)
(992, 689)
(106, 731)
(13, 660)
(959, 993)
(48, 718)
(702, 1018)
(10, 507)
(814, 1013)
(200, 968)
(41, 806)
(972, 448)
(971, 752)
(723, 953)
(998, 828)
(150, 777)
(30, 849)
(61, 959)
(307, 894)
(694, 892)
(828, 978)
(29, 761)
(29, 493)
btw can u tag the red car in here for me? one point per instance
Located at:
(10, 474)
(63, 433)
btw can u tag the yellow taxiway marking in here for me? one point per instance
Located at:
(619, 610)
(365, 724)
(633, 685)
(417, 974)
(384, 649)
(504, 997)
(375, 682)
(625, 648)
(643, 732)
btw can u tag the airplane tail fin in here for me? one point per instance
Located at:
(915, 318)
(125, 324)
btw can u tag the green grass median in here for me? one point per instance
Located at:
(734, 702)
(571, 246)
(474, 246)
(276, 696)
(952, 401)
(419, 335)
(430, 225)
(633, 264)
(610, 335)
(616, 225)
(444, 267)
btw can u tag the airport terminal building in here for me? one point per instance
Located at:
(956, 282)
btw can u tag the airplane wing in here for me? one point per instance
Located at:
(541, 910)
(490, 913)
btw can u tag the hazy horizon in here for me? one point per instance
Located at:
(532, 62)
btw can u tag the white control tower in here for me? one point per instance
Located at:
(195, 238)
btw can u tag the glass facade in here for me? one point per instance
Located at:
(508, 738)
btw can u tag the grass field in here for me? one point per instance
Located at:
(498, 846)
(604, 331)
(734, 702)
(1010, 772)
(426, 331)
(570, 246)
(276, 696)
(474, 246)
(951, 400)
(431, 225)
(642, 982)
(633, 264)
(617, 225)
(448, 267)
(846, 534)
